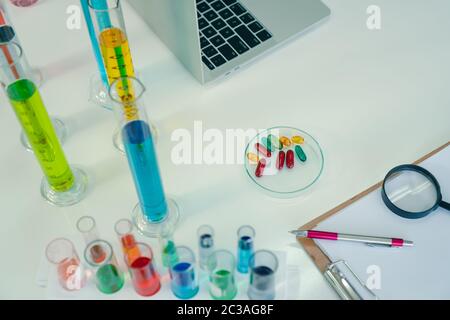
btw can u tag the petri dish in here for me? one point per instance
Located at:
(286, 183)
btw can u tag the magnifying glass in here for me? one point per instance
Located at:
(412, 192)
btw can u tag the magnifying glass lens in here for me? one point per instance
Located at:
(411, 191)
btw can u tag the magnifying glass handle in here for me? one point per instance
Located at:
(445, 205)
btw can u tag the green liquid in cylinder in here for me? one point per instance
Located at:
(33, 117)
(109, 279)
(222, 285)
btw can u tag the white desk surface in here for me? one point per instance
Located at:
(373, 99)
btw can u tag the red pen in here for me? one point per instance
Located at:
(369, 240)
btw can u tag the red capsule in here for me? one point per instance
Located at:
(280, 160)
(260, 168)
(261, 149)
(290, 159)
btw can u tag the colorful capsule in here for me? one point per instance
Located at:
(261, 149)
(274, 142)
(286, 141)
(260, 168)
(267, 143)
(281, 159)
(253, 158)
(298, 140)
(300, 153)
(290, 159)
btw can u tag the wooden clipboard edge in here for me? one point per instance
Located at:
(320, 259)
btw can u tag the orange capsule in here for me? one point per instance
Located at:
(253, 158)
(298, 140)
(286, 141)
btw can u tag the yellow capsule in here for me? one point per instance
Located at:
(286, 141)
(253, 158)
(298, 140)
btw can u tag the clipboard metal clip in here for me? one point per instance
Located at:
(342, 285)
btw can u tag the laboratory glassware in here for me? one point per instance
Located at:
(87, 226)
(108, 276)
(130, 249)
(8, 35)
(154, 215)
(246, 235)
(222, 283)
(62, 255)
(263, 268)
(62, 185)
(184, 280)
(145, 278)
(205, 235)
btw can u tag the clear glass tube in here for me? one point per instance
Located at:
(61, 253)
(130, 249)
(8, 35)
(107, 27)
(87, 226)
(143, 274)
(153, 215)
(62, 185)
(100, 256)
(168, 250)
(221, 267)
(246, 235)
(94, 39)
(263, 268)
(205, 235)
(184, 281)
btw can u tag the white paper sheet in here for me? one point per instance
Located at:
(420, 272)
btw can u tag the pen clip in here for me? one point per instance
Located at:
(379, 245)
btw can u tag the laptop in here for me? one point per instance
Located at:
(214, 38)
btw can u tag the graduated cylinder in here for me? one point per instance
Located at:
(139, 147)
(60, 185)
(109, 27)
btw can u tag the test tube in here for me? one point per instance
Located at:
(221, 267)
(108, 35)
(100, 256)
(184, 281)
(87, 226)
(205, 235)
(263, 267)
(8, 35)
(61, 253)
(109, 28)
(153, 215)
(143, 274)
(130, 249)
(246, 235)
(99, 92)
(62, 185)
(168, 250)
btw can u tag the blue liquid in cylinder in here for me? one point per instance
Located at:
(245, 251)
(143, 163)
(184, 284)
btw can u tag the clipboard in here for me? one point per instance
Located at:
(334, 270)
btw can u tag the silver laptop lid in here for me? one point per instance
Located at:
(175, 23)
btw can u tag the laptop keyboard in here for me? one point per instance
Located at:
(227, 30)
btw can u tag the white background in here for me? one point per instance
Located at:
(373, 99)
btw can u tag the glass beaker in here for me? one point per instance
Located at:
(143, 274)
(62, 255)
(184, 281)
(222, 283)
(263, 268)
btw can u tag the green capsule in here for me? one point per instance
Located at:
(268, 144)
(274, 141)
(300, 153)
